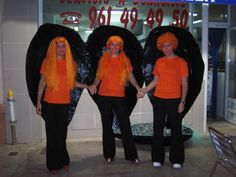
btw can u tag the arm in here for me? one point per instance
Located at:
(184, 92)
(152, 84)
(96, 82)
(93, 88)
(135, 84)
(81, 85)
(41, 87)
(133, 81)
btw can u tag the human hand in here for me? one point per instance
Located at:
(181, 107)
(39, 108)
(140, 92)
(92, 89)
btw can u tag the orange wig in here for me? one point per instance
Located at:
(116, 39)
(105, 60)
(167, 37)
(51, 73)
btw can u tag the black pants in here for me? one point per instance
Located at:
(55, 116)
(161, 108)
(106, 106)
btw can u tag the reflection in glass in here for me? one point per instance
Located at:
(218, 13)
(233, 16)
(232, 65)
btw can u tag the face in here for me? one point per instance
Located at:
(61, 49)
(114, 48)
(167, 49)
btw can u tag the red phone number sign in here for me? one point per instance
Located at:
(154, 16)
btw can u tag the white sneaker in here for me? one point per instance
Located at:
(156, 164)
(177, 166)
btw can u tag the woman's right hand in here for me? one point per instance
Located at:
(41, 87)
(141, 92)
(39, 108)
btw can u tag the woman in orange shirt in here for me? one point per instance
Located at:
(114, 70)
(58, 73)
(171, 86)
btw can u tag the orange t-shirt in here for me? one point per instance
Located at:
(62, 94)
(111, 84)
(170, 73)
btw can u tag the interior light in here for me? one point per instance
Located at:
(194, 14)
(76, 28)
(197, 21)
(88, 31)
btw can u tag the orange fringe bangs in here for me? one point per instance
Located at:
(51, 75)
(117, 39)
(167, 37)
(105, 60)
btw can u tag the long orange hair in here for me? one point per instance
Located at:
(51, 72)
(105, 60)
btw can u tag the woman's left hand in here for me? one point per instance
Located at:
(181, 107)
(140, 93)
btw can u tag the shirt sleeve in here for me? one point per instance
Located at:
(156, 68)
(129, 66)
(42, 69)
(184, 68)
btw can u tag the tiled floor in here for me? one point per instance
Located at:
(28, 160)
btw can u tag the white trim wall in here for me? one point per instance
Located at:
(1, 64)
(205, 8)
(19, 25)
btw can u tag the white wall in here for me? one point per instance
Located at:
(1, 68)
(19, 24)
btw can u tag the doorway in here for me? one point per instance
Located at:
(216, 71)
(217, 56)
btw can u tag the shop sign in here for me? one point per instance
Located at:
(226, 2)
(100, 13)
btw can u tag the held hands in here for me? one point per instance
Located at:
(141, 92)
(92, 89)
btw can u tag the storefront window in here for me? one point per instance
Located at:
(197, 23)
(233, 16)
(232, 54)
(232, 65)
(218, 13)
(140, 17)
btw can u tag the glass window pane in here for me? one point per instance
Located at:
(197, 23)
(233, 16)
(232, 65)
(218, 13)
